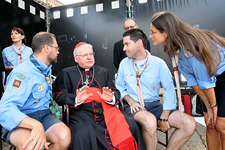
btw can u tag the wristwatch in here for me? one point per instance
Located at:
(163, 120)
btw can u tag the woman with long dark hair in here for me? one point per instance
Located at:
(18, 52)
(201, 60)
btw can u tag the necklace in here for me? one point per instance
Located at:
(87, 77)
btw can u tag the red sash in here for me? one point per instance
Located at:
(116, 124)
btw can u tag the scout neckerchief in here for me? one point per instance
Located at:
(176, 76)
(19, 53)
(138, 75)
(46, 74)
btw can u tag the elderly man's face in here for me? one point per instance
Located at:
(85, 57)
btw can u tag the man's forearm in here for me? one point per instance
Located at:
(29, 123)
(165, 114)
(128, 99)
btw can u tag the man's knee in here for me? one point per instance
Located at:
(59, 134)
(188, 124)
(65, 135)
(147, 121)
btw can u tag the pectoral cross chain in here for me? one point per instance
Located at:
(87, 81)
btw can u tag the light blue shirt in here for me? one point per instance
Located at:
(155, 73)
(26, 92)
(10, 56)
(195, 71)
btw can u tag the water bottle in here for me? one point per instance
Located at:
(52, 108)
(57, 112)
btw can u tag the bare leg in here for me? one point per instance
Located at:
(59, 136)
(220, 126)
(18, 142)
(149, 126)
(212, 137)
(184, 128)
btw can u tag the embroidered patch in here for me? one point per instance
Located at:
(153, 88)
(16, 83)
(21, 76)
(40, 88)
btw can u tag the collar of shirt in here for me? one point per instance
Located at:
(19, 49)
(45, 67)
(140, 63)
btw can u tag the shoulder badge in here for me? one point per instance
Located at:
(16, 83)
(21, 76)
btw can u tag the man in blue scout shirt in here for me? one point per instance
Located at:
(139, 78)
(28, 123)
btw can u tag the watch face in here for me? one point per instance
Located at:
(163, 120)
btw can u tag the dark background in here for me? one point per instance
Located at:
(13, 16)
(103, 29)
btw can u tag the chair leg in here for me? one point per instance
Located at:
(167, 139)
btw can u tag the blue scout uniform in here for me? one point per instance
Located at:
(195, 71)
(156, 72)
(10, 56)
(26, 92)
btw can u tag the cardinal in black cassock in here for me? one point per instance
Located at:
(95, 122)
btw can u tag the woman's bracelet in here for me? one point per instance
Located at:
(213, 105)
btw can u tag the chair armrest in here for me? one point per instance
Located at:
(67, 115)
(120, 105)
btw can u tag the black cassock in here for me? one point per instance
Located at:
(87, 123)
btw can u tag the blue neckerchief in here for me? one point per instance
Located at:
(46, 74)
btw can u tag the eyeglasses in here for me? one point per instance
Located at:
(57, 48)
(129, 27)
(86, 55)
(153, 32)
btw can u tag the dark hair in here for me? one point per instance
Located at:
(40, 40)
(24, 41)
(136, 34)
(183, 35)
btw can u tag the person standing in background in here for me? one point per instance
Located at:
(18, 52)
(118, 53)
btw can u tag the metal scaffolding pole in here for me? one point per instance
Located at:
(129, 8)
(47, 10)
